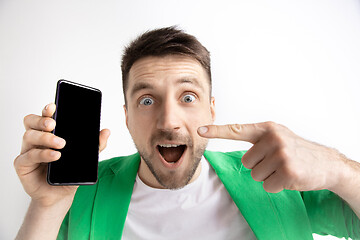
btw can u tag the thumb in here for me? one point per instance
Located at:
(104, 135)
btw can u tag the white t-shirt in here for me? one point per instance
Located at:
(202, 209)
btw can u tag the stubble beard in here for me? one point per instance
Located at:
(172, 180)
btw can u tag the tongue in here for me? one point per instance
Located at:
(171, 154)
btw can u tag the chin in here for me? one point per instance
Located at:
(173, 161)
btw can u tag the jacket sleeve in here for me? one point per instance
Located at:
(331, 215)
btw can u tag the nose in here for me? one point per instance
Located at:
(169, 117)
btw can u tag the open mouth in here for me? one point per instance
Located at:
(171, 152)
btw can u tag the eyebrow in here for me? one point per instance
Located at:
(144, 85)
(192, 81)
(140, 86)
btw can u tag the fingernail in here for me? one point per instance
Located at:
(55, 154)
(203, 130)
(46, 107)
(59, 141)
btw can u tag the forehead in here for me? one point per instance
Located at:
(167, 70)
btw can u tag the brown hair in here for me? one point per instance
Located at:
(162, 42)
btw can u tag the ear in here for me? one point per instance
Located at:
(212, 109)
(126, 116)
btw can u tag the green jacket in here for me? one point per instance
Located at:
(99, 211)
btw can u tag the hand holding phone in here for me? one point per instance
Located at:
(40, 146)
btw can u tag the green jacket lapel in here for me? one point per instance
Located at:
(113, 198)
(252, 202)
(270, 216)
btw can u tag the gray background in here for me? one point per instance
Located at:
(293, 62)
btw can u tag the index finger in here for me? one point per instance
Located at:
(243, 132)
(44, 122)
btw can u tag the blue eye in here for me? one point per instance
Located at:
(188, 98)
(146, 101)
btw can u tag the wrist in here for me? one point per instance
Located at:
(60, 207)
(348, 182)
(43, 221)
(344, 173)
(46, 204)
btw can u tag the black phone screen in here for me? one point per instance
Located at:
(77, 117)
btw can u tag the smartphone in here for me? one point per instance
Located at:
(77, 116)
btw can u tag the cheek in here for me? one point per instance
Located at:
(198, 119)
(200, 116)
(138, 126)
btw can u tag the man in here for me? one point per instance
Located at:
(174, 189)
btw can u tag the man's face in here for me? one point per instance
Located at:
(168, 100)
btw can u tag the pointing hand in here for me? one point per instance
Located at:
(281, 159)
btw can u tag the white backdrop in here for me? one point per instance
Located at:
(293, 62)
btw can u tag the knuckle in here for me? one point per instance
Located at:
(282, 155)
(235, 128)
(41, 122)
(271, 188)
(271, 126)
(274, 138)
(44, 138)
(244, 160)
(277, 139)
(27, 135)
(247, 163)
(255, 175)
(48, 123)
(27, 118)
(16, 161)
(44, 154)
(289, 172)
(267, 187)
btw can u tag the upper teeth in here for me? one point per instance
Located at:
(168, 145)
